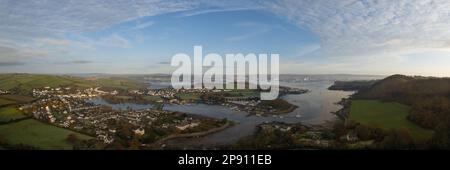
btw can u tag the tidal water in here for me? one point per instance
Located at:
(314, 107)
(120, 106)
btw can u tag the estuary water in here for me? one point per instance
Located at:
(120, 106)
(314, 107)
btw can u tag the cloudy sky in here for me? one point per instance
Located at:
(140, 36)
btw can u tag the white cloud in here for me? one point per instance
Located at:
(345, 27)
(251, 29)
(246, 35)
(50, 17)
(143, 25)
(44, 24)
(215, 10)
(354, 31)
(307, 49)
(11, 52)
(54, 42)
(35, 28)
(114, 40)
(358, 28)
(54, 16)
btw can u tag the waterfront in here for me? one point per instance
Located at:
(120, 106)
(314, 108)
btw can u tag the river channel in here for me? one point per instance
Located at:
(314, 107)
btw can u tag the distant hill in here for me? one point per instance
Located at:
(121, 83)
(352, 85)
(27, 82)
(24, 83)
(406, 89)
(429, 98)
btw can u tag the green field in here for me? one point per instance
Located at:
(189, 96)
(29, 81)
(119, 83)
(386, 115)
(10, 113)
(244, 93)
(17, 98)
(152, 98)
(124, 97)
(6, 102)
(37, 134)
(14, 99)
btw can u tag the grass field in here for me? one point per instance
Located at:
(119, 83)
(152, 98)
(34, 133)
(29, 81)
(189, 96)
(124, 97)
(386, 115)
(6, 102)
(14, 99)
(244, 93)
(17, 98)
(10, 113)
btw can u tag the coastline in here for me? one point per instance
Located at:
(195, 134)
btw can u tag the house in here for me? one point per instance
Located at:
(139, 132)
(190, 125)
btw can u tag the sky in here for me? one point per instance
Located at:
(311, 36)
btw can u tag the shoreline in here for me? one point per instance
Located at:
(195, 134)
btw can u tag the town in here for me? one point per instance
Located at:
(70, 108)
(73, 108)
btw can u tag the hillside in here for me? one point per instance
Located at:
(427, 97)
(120, 83)
(352, 85)
(386, 115)
(406, 89)
(26, 82)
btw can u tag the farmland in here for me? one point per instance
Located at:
(6, 102)
(386, 115)
(10, 113)
(26, 82)
(119, 83)
(189, 96)
(38, 135)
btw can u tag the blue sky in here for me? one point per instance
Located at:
(312, 37)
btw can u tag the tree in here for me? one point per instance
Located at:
(125, 130)
(398, 139)
(363, 132)
(378, 134)
(73, 139)
(441, 138)
(339, 129)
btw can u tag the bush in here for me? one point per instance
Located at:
(398, 140)
(363, 132)
(73, 139)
